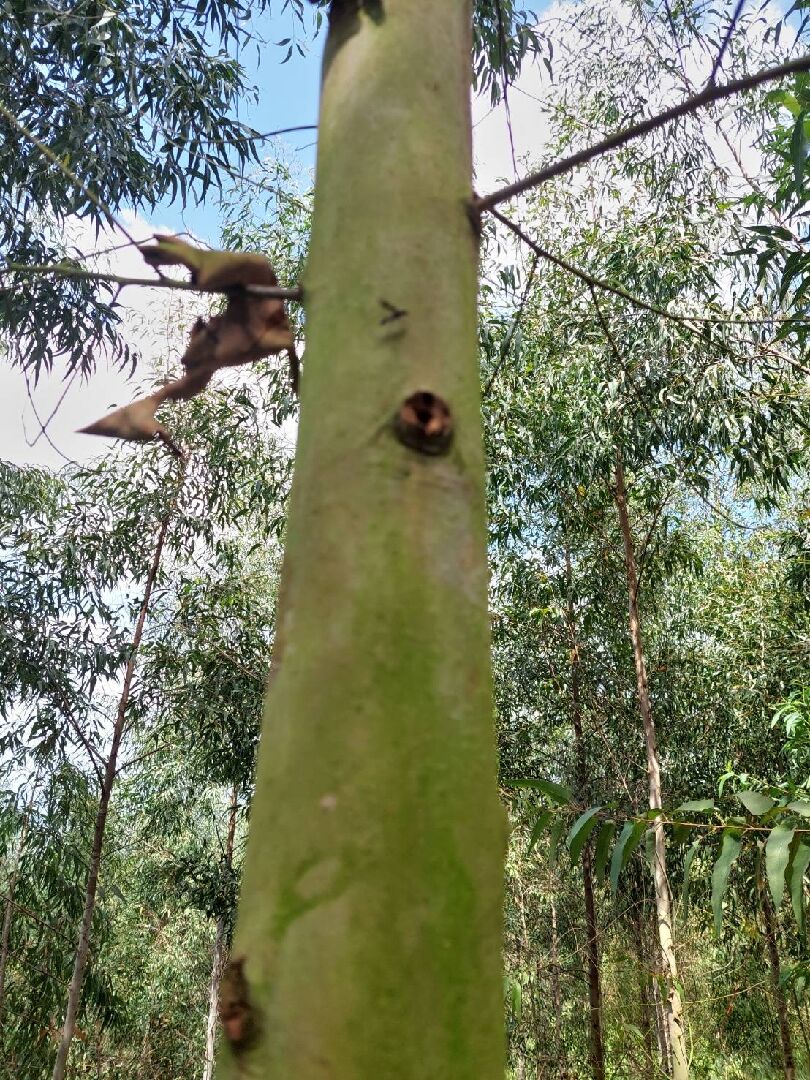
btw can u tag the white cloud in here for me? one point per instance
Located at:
(156, 323)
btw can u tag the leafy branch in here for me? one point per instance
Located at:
(605, 286)
(46, 151)
(784, 845)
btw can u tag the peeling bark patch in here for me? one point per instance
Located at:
(236, 1013)
(424, 423)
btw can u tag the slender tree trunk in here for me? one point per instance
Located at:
(663, 902)
(596, 1042)
(661, 1024)
(646, 1005)
(110, 768)
(369, 935)
(11, 889)
(779, 1001)
(220, 953)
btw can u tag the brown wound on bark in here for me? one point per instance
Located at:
(424, 423)
(236, 1013)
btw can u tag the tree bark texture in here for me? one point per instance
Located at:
(368, 942)
(108, 780)
(596, 1041)
(663, 902)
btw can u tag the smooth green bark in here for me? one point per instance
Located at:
(369, 930)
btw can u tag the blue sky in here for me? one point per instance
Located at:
(287, 96)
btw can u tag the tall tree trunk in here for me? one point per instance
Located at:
(663, 900)
(220, 952)
(369, 935)
(110, 768)
(646, 1004)
(11, 889)
(596, 1042)
(779, 1001)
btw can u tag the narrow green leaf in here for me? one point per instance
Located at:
(539, 828)
(777, 853)
(581, 830)
(629, 839)
(798, 868)
(694, 806)
(687, 870)
(603, 842)
(729, 850)
(798, 150)
(755, 803)
(557, 792)
(556, 833)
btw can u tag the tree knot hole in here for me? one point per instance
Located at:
(236, 1013)
(424, 423)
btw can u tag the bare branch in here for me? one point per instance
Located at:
(599, 283)
(43, 424)
(60, 270)
(284, 131)
(707, 96)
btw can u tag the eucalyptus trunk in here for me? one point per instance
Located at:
(663, 901)
(107, 782)
(777, 990)
(220, 952)
(646, 998)
(369, 935)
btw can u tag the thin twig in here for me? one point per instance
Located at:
(283, 131)
(691, 104)
(724, 44)
(43, 426)
(140, 757)
(93, 754)
(59, 270)
(505, 84)
(507, 344)
(675, 39)
(74, 179)
(599, 283)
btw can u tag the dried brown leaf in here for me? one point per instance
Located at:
(249, 328)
